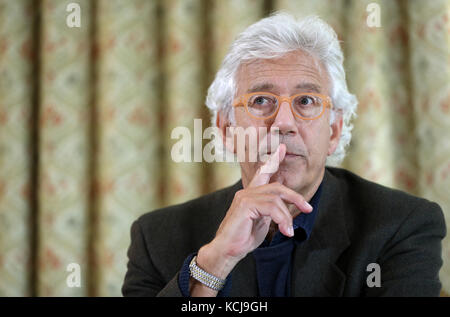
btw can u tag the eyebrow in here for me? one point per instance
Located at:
(261, 87)
(306, 87)
(309, 87)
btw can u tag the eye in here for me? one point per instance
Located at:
(306, 100)
(260, 100)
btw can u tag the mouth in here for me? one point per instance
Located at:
(289, 155)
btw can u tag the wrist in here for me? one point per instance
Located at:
(211, 260)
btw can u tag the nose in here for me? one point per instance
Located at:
(285, 120)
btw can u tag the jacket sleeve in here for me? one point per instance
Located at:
(142, 278)
(411, 260)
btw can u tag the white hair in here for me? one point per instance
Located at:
(273, 37)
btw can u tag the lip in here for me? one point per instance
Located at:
(288, 155)
(291, 156)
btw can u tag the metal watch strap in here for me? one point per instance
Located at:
(205, 278)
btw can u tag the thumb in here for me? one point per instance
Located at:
(269, 168)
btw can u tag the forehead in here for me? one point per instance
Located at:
(283, 75)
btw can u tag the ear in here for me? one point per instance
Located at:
(223, 124)
(335, 133)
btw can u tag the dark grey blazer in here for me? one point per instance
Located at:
(358, 223)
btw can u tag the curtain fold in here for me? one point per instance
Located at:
(227, 20)
(332, 11)
(64, 151)
(429, 31)
(17, 94)
(127, 133)
(183, 94)
(86, 117)
(368, 75)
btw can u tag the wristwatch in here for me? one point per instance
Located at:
(204, 277)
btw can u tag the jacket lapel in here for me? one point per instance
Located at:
(314, 271)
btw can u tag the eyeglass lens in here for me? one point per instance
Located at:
(307, 106)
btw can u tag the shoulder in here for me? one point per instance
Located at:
(171, 233)
(196, 220)
(373, 195)
(198, 208)
(400, 232)
(369, 204)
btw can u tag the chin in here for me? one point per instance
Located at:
(291, 174)
(288, 178)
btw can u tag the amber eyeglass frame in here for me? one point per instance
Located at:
(242, 101)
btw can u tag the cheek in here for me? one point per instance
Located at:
(245, 122)
(242, 119)
(316, 138)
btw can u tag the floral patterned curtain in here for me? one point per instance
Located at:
(86, 115)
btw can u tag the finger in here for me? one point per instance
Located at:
(289, 195)
(272, 206)
(269, 168)
(288, 228)
(294, 210)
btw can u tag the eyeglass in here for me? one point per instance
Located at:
(265, 105)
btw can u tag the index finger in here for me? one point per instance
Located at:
(262, 176)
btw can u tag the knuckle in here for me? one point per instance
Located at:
(240, 195)
(243, 199)
(277, 202)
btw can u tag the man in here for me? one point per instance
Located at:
(292, 226)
